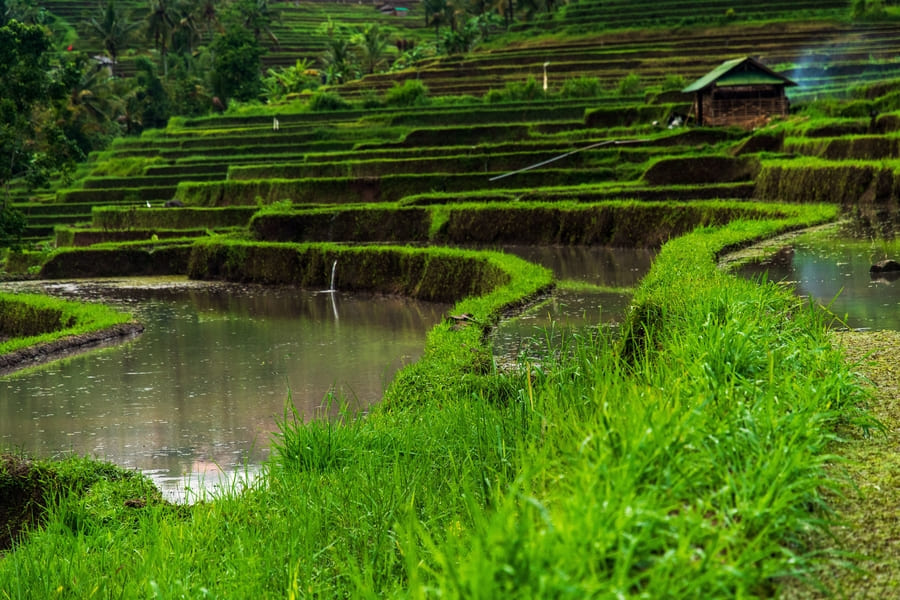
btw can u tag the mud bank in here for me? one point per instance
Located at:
(67, 346)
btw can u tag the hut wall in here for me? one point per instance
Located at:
(740, 106)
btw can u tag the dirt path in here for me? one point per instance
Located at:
(870, 510)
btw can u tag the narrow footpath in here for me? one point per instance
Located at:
(870, 509)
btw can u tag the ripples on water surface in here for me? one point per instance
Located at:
(567, 310)
(201, 390)
(835, 272)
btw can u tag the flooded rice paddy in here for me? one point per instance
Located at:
(834, 272)
(609, 274)
(197, 397)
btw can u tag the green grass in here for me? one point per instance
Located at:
(574, 285)
(31, 319)
(692, 466)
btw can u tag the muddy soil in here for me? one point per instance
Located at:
(66, 346)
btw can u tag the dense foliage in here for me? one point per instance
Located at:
(32, 143)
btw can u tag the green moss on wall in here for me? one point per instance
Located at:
(111, 217)
(117, 262)
(434, 274)
(372, 224)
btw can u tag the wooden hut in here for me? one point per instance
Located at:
(741, 91)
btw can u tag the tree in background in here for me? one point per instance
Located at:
(338, 61)
(207, 16)
(89, 114)
(32, 145)
(867, 9)
(529, 8)
(148, 103)
(441, 13)
(371, 44)
(113, 28)
(279, 82)
(187, 29)
(255, 15)
(24, 11)
(188, 84)
(159, 26)
(236, 65)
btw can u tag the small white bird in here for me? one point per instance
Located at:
(148, 204)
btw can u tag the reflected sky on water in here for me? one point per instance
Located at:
(835, 273)
(539, 328)
(202, 389)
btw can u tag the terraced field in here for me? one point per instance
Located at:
(447, 152)
(733, 503)
(822, 57)
(296, 32)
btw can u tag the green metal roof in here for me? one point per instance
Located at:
(739, 71)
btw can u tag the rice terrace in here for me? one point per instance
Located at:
(445, 299)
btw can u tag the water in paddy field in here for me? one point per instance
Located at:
(566, 311)
(196, 398)
(835, 272)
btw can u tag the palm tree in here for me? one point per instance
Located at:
(504, 8)
(371, 46)
(529, 8)
(160, 23)
(442, 13)
(256, 16)
(207, 16)
(338, 60)
(92, 95)
(114, 30)
(186, 29)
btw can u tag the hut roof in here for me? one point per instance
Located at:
(739, 71)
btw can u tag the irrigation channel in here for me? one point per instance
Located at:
(610, 274)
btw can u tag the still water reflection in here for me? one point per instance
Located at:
(202, 388)
(835, 273)
(570, 310)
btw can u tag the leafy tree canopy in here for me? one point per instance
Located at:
(236, 67)
(32, 146)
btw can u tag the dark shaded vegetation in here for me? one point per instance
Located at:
(30, 488)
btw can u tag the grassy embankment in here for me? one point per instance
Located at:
(30, 321)
(686, 460)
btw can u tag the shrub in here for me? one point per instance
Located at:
(581, 87)
(674, 83)
(12, 226)
(327, 101)
(630, 85)
(369, 100)
(411, 92)
(514, 91)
